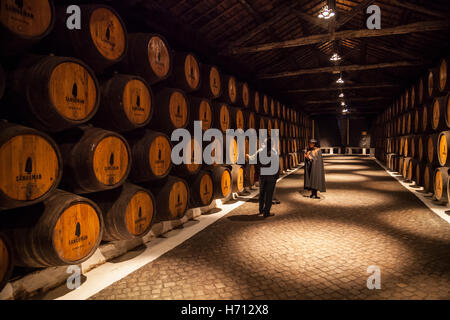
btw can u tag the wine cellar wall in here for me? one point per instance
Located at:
(85, 149)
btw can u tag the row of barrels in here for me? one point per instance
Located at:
(103, 113)
(428, 118)
(67, 228)
(107, 47)
(434, 84)
(434, 179)
(57, 93)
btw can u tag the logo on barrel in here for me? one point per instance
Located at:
(28, 170)
(77, 235)
(19, 9)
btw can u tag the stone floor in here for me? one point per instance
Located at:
(311, 249)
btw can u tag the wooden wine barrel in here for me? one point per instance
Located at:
(172, 198)
(401, 151)
(430, 90)
(442, 78)
(428, 174)
(2, 81)
(200, 110)
(272, 107)
(94, 159)
(419, 168)
(65, 229)
(400, 163)
(230, 94)
(6, 260)
(126, 103)
(249, 175)
(406, 168)
(281, 164)
(408, 124)
(406, 100)
(171, 112)
(265, 105)
(251, 120)
(23, 24)
(186, 72)
(237, 118)
(443, 143)
(151, 152)
(278, 110)
(148, 56)
(282, 128)
(101, 41)
(433, 149)
(257, 102)
(439, 109)
(417, 120)
(283, 112)
(441, 185)
(406, 151)
(128, 211)
(413, 147)
(422, 147)
(53, 93)
(222, 182)
(30, 166)
(399, 125)
(237, 177)
(211, 86)
(413, 96)
(231, 150)
(269, 123)
(189, 167)
(222, 116)
(443, 104)
(202, 189)
(410, 175)
(244, 94)
(261, 122)
(390, 160)
(426, 118)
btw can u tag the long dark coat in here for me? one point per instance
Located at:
(314, 172)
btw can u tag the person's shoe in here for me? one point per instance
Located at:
(260, 213)
(266, 215)
(276, 201)
(315, 197)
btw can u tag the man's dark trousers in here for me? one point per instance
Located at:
(266, 188)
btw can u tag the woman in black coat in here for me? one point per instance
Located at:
(314, 170)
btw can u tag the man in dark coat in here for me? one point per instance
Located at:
(314, 171)
(266, 182)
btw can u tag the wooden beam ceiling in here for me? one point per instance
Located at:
(338, 69)
(367, 86)
(363, 99)
(423, 26)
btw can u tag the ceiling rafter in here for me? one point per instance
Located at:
(347, 68)
(423, 26)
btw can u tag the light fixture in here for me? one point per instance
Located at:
(343, 103)
(340, 80)
(326, 13)
(345, 110)
(341, 95)
(335, 57)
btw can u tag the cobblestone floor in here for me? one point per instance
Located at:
(311, 249)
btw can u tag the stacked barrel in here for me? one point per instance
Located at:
(85, 136)
(413, 135)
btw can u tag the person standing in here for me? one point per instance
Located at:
(314, 177)
(266, 182)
